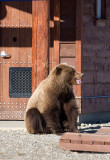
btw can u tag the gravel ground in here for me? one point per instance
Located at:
(17, 144)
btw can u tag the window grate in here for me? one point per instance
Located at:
(20, 82)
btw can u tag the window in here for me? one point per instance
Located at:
(101, 9)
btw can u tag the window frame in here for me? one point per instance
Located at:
(100, 9)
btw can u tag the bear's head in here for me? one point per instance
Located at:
(67, 74)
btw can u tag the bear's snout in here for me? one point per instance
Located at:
(78, 76)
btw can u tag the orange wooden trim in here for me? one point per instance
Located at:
(79, 14)
(40, 41)
(78, 41)
(34, 49)
(78, 65)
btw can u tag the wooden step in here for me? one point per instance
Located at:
(99, 142)
(103, 131)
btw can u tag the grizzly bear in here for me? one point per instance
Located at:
(52, 108)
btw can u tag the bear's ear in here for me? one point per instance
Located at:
(58, 70)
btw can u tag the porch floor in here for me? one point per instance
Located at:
(12, 124)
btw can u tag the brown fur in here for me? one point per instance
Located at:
(52, 108)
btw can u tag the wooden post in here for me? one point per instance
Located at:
(79, 14)
(40, 41)
(55, 34)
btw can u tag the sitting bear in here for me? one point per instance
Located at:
(53, 103)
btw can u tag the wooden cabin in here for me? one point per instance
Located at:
(37, 35)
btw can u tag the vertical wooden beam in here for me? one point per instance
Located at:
(79, 6)
(40, 41)
(55, 34)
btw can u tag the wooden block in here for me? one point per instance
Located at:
(76, 141)
(65, 140)
(99, 142)
(85, 137)
(104, 131)
(87, 142)
(85, 147)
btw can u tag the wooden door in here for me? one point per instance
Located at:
(68, 31)
(62, 32)
(65, 36)
(15, 68)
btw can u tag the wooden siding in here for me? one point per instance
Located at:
(95, 59)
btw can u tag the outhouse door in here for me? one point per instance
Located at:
(15, 58)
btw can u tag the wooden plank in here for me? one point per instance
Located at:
(40, 39)
(92, 63)
(1, 61)
(85, 147)
(14, 48)
(15, 38)
(103, 131)
(99, 142)
(0, 82)
(96, 77)
(24, 37)
(23, 52)
(70, 61)
(29, 49)
(34, 46)
(6, 62)
(79, 13)
(29, 22)
(93, 105)
(67, 50)
(55, 35)
(51, 33)
(100, 89)
(85, 137)
(56, 31)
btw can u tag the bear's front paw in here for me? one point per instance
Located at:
(76, 131)
(58, 132)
